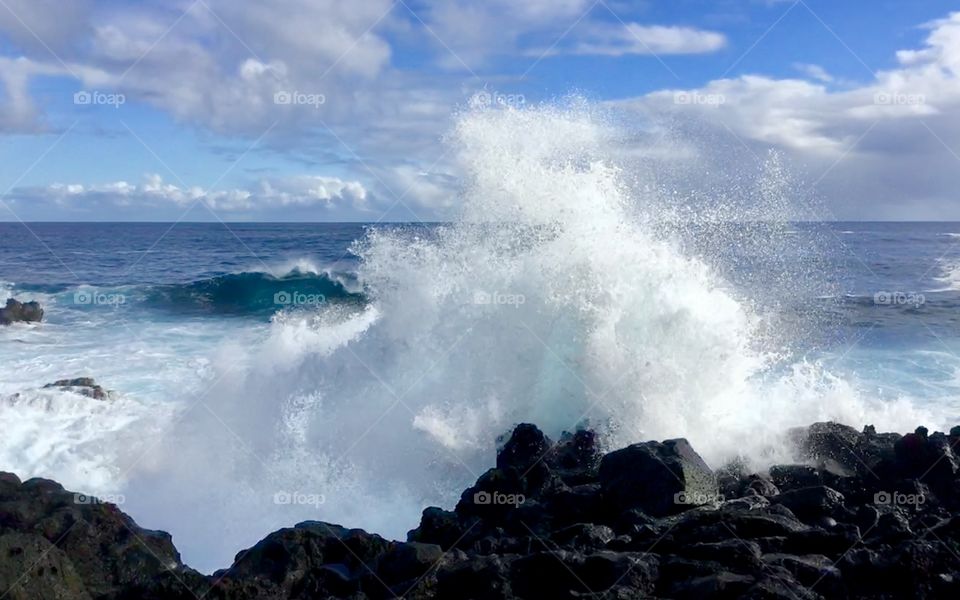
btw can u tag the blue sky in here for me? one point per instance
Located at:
(150, 110)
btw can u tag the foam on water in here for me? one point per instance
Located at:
(554, 298)
(949, 275)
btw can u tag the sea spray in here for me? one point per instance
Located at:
(548, 300)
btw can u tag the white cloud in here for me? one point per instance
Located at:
(615, 39)
(272, 197)
(814, 72)
(882, 149)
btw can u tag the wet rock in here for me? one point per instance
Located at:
(811, 503)
(105, 548)
(480, 578)
(576, 457)
(581, 532)
(81, 385)
(20, 312)
(658, 478)
(738, 555)
(719, 585)
(279, 561)
(929, 458)
(441, 527)
(410, 561)
(792, 477)
(526, 447)
(584, 536)
(814, 571)
(831, 446)
(577, 504)
(32, 568)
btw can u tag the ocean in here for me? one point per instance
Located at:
(264, 374)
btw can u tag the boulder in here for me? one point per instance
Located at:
(408, 562)
(281, 560)
(85, 386)
(811, 503)
(658, 478)
(526, 447)
(20, 312)
(32, 568)
(105, 548)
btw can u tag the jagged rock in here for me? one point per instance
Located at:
(812, 570)
(659, 478)
(526, 447)
(577, 504)
(408, 561)
(791, 477)
(32, 568)
(719, 585)
(576, 457)
(441, 527)
(480, 578)
(280, 560)
(106, 549)
(586, 533)
(20, 312)
(929, 458)
(81, 385)
(742, 554)
(811, 503)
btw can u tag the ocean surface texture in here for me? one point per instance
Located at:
(262, 374)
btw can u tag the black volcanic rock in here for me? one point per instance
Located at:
(82, 385)
(94, 540)
(20, 312)
(548, 522)
(658, 478)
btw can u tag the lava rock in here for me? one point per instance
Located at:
(32, 568)
(85, 386)
(658, 478)
(20, 312)
(811, 503)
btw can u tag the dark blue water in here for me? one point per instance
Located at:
(879, 301)
(899, 280)
(187, 267)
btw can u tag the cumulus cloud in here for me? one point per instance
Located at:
(271, 198)
(889, 147)
(616, 39)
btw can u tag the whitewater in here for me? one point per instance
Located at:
(563, 294)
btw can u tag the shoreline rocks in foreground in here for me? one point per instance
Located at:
(20, 312)
(862, 515)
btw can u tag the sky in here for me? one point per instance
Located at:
(325, 110)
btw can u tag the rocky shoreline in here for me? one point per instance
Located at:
(861, 515)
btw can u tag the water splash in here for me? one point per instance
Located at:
(556, 297)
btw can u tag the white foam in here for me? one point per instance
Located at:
(949, 274)
(550, 300)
